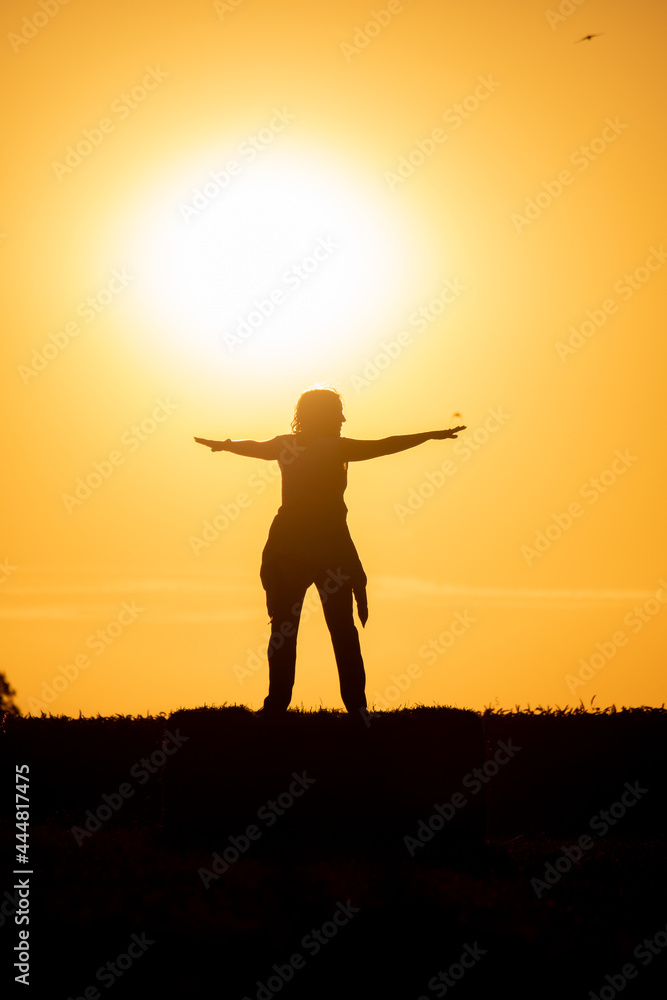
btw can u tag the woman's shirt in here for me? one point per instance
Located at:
(314, 478)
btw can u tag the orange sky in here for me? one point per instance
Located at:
(439, 207)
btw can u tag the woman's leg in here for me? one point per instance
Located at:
(337, 604)
(284, 597)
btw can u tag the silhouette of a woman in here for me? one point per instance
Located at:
(309, 540)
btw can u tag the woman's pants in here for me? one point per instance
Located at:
(285, 592)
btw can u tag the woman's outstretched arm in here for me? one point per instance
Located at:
(251, 449)
(359, 451)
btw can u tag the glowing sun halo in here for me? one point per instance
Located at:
(286, 265)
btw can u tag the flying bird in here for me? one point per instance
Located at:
(587, 38)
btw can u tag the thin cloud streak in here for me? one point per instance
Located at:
(389, 588)
(221, 591)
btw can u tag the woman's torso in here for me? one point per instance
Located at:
(314, 478)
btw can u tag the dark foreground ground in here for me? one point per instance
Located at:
(423, 853)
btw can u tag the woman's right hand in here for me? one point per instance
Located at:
(213, 445)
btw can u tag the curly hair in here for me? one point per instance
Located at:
(314, 407)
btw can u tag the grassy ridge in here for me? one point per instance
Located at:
(465, 876)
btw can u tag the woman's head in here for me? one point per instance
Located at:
(318, 411)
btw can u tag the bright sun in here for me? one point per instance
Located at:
(283, 266)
